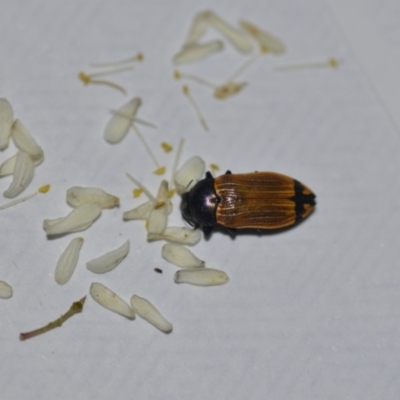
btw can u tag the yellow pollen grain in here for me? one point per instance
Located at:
(166, 147)
(44, 188)
(159, 171)
(137, 192)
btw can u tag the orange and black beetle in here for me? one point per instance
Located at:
(260, 200)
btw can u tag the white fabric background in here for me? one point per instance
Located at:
(310, 313)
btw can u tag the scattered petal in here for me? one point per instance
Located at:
(147, 311)
(77, 220)
(26, 143)
(272, 43)
(201, 277)
(6, 121)
(178, 235)
(7, 167)
(189, 174)
(197, 51)
(110, 260)
(157, 220)
(5, 290)
(110, 300)
(67, 262)
(77, 196)
(237, 38)
(118, 126)
(22, 175)
(197, 30)
(181, 256)
(143, 211)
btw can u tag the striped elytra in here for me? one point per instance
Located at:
(259, 200)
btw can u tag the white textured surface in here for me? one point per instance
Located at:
(309, 313)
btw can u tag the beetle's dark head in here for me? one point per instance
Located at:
(199, 205)
(185, 209)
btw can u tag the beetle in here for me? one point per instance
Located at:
(259, 200)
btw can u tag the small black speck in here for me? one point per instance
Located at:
(158, 270)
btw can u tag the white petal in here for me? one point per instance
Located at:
(110, 300)
(6, 121)
(178, 235)
(201, 277)
(22, 175)
(77, 220)
(180, 256)
(197, 29)
(67, 262)
(235, 36)
(143, 211)
(7, 167)
(5, 290)
(25, 142)
(118, 126)
(189, 174)
(158, 217)
(147, 311)
(77, 196)
(197, 51)
(110, 260)
(270, 42)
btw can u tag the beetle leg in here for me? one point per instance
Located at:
(228, 172)
(207, 230)
(232, 231)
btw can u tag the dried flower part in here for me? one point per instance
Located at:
(26, 143)
(6, 121)
(110, 260)
(138, 57)
(76, 308)
(67, 262)
(7, 167)
(143, 211)
(5, 290)
(77, 220)
(201, 277)
(119, 124)
(265, 39)
(197, 29)
(330, 63)
(228, 89)
(189, 174)
(108, 299)
(22, 175)
(181, 256)
(147, 311)
(157, 221)
(180, 235)
(197, 51)
(236, 37)
(76, 196)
